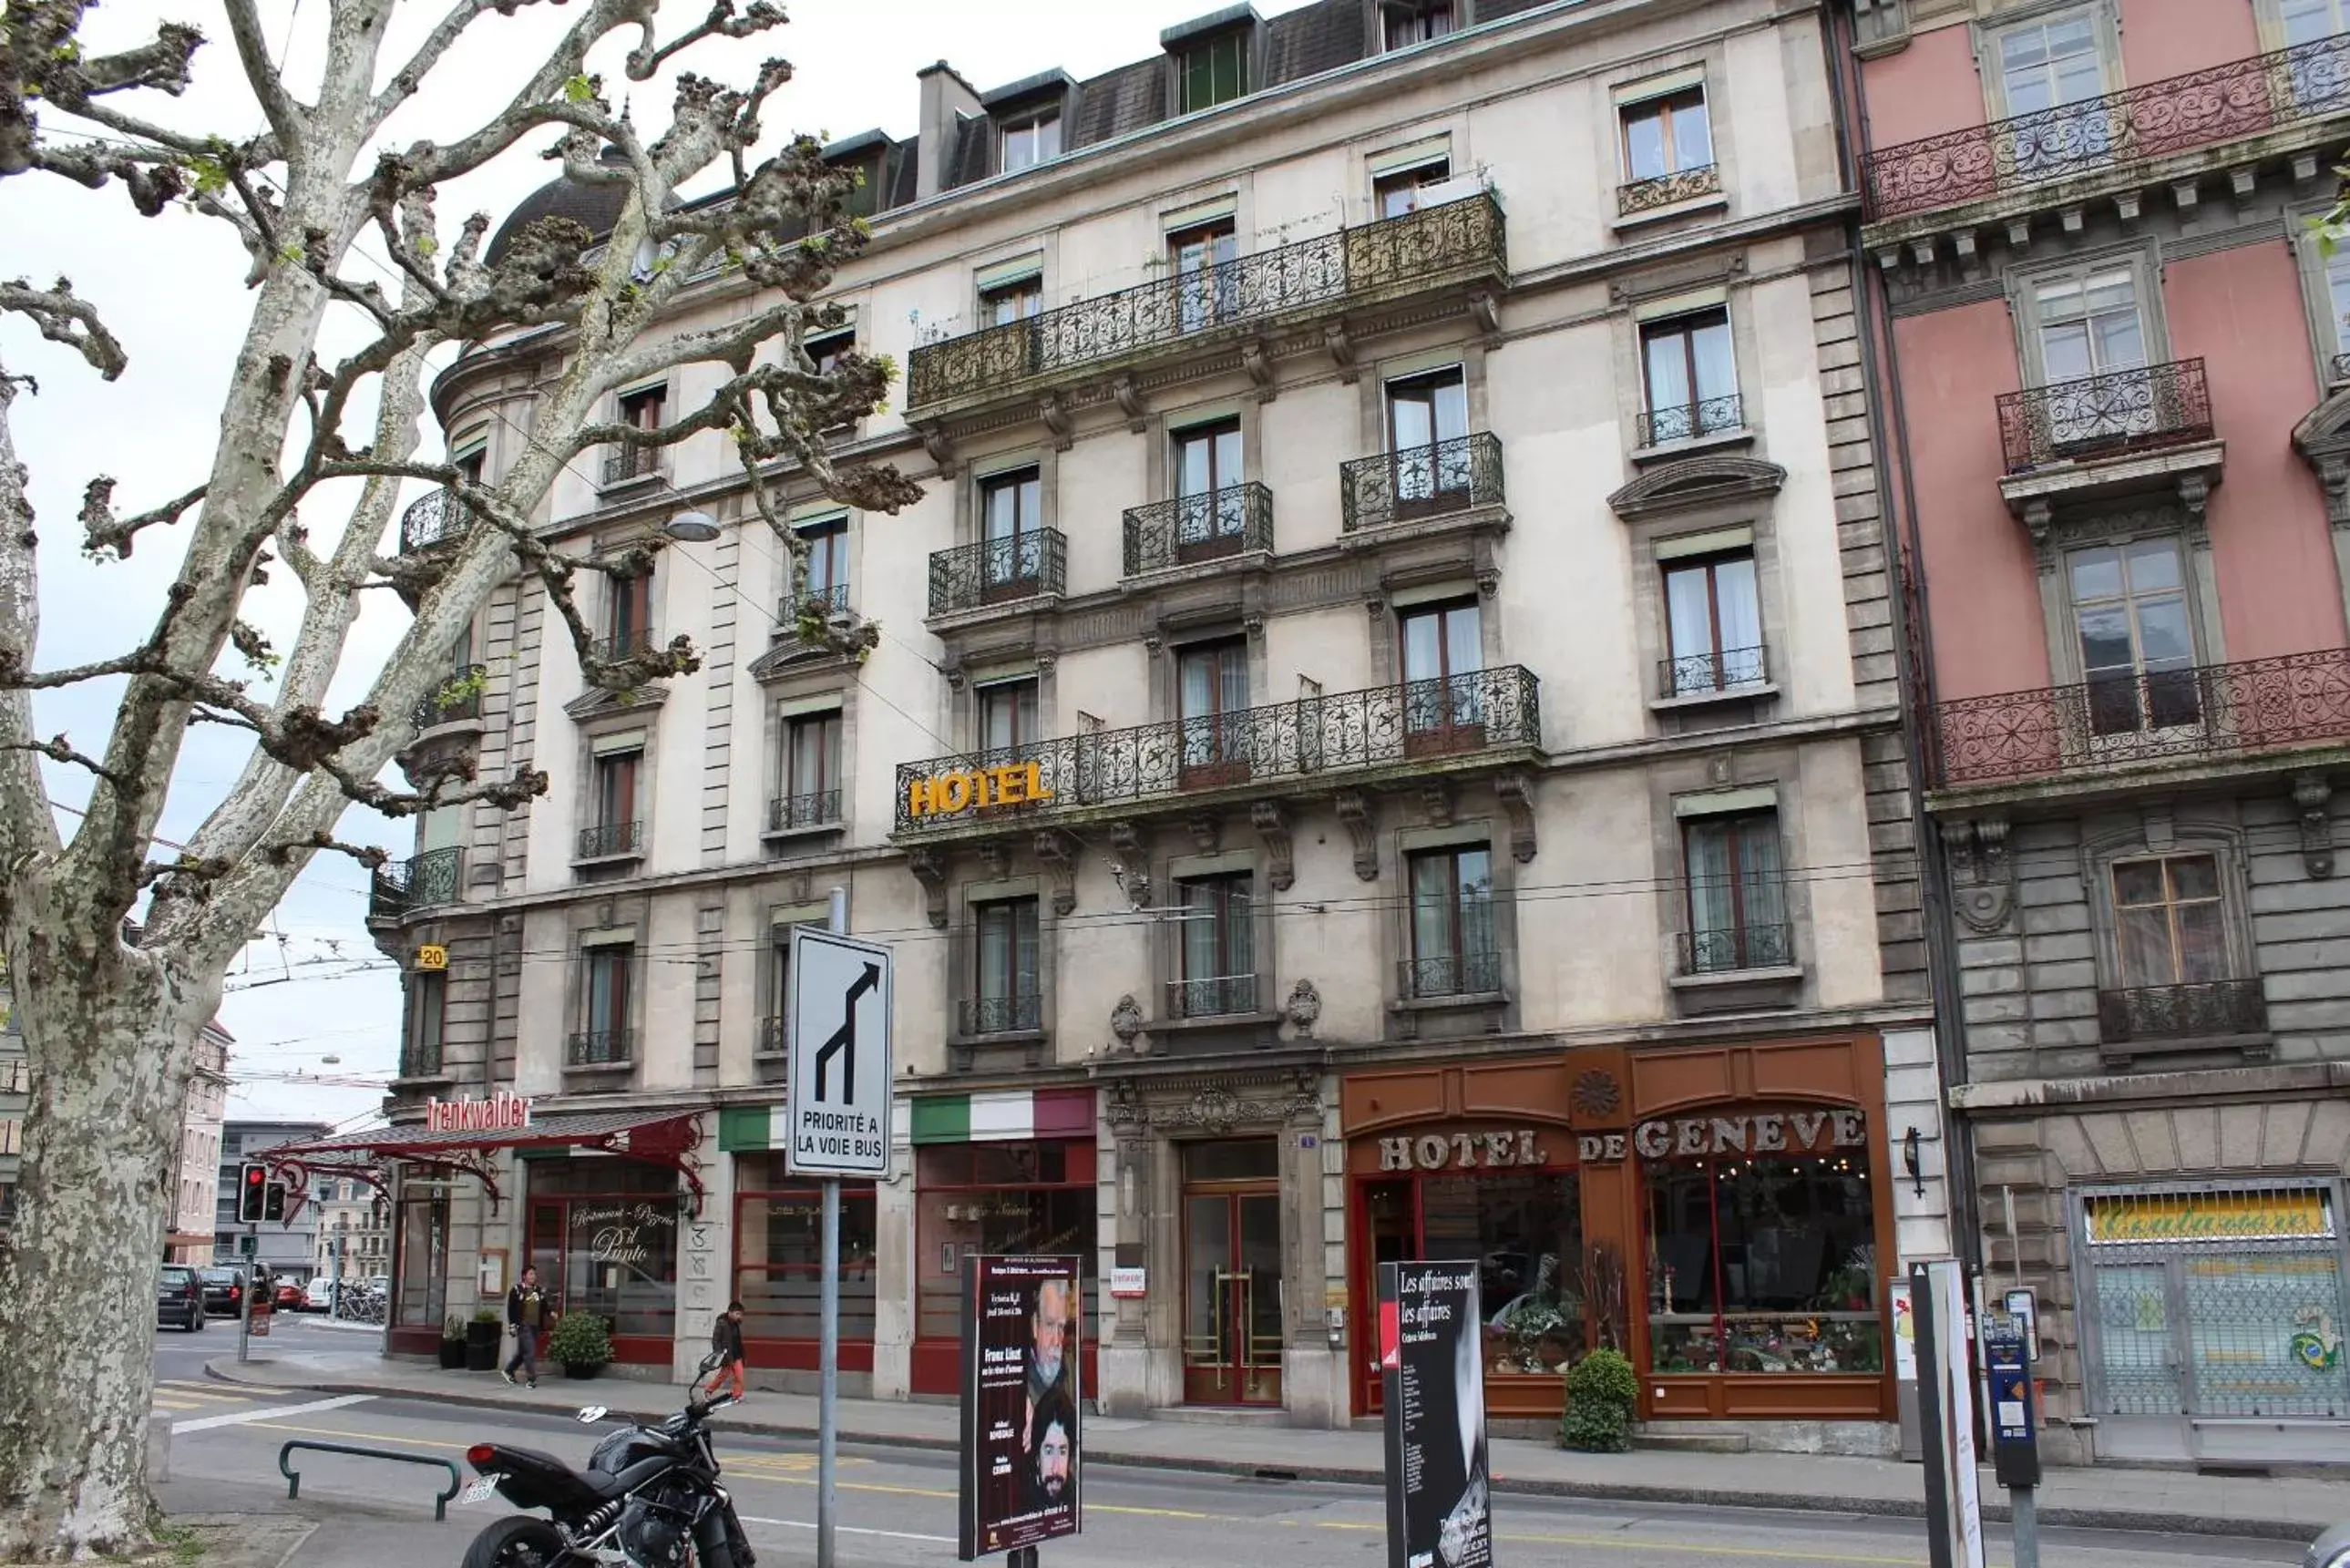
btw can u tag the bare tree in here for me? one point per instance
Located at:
(111, 1026)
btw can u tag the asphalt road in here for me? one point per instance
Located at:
(897, 1507)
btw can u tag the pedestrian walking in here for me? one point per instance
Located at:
(525, 1313)
(726, 1339)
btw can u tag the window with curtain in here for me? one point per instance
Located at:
(1215, 71)
(827, 568)
(1427, 419)
(2050, 70)
(1410, 22)
(2171, 920)
(1007, 715)
(616, 796)
(1207, 289)
(1762, 1265)
(1737, 894)
(1218, 947)
(628, 614)
(811, 781)
(604, 1017)
(1665, 135)
(1211, 515)
(1029, 1197)
(639, 410)
(2316, 72)
(2337, 300)
(2092, 337)
(1398, 191)
(2138, 642)
(1006, 303)
(1007, 994)
(1213, 700)
(1453, 951)
(1713, 623)
(1012, 512)
(1689, 376)
(1444, 696)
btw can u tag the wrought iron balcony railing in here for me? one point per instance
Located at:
(774, 1036)
(1750, 945)
(2243, 97)
(404, 887)
(2216, 711)
(1020, 1014)
(1308, 739)
(997, 571)
(1473, 971)
(2210, 1010)
(459, 698)
(825, 602)
(1224, 996)
(1421, 481)
(1700, 674)
(601, 1048)
(1192, 528)
(432, 518)
(2340, 367)
(623, 464)
(1687, 421)
(1422, 249)
(2099, 416)
(1664, 190)
(421, 1058)
(818, 808)
(610, 838)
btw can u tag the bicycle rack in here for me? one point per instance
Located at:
(293, 1479)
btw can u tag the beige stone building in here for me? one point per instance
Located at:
(1383, 743)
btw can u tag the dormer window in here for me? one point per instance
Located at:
(1032, 138)
(1410, 22)
(1214, 70)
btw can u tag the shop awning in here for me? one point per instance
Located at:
(657, 1137)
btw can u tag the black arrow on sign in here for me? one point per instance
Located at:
(843, 1042)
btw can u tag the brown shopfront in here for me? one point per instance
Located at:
(1717, 1212)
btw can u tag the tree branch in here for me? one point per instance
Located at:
(62, 318)
(103, 531)
(59, 750)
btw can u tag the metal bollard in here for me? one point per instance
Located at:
(159, 1448)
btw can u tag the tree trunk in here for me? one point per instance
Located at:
(110, 1046)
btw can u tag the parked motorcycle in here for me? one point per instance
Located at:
(649, 1498)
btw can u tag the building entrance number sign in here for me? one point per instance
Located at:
(839, 1085)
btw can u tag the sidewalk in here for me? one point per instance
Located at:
(2173, 1501)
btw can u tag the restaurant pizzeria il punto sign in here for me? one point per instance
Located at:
(971, 789)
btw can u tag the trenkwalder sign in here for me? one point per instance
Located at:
(502, 1112)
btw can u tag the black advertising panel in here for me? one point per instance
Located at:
(1431, 1357)
(1020, 1403)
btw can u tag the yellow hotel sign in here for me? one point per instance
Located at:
(2210, 1217)
(944, 794)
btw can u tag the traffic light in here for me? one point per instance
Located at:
(273, 1203)
(252, 1192)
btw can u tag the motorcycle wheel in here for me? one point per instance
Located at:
(517, 1540)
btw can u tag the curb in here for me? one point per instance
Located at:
(2055, 1517)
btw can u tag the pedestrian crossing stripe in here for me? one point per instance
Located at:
(199, 1391)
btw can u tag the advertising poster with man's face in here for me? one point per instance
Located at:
(1431, 1342)
(1020, 1405)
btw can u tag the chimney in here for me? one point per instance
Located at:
(947, 98)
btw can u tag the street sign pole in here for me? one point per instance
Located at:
(827, 1430)
(245, 1296)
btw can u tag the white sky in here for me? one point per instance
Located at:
(171, 289)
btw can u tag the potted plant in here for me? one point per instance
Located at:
(1600, 1393)
(582, 1343)
(453, 1343)
(482, 1338)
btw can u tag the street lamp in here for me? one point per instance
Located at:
(692, 527)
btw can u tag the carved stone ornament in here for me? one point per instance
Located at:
(1215, 1107)
(940, 449)
(2311, 794)
(929, 868)
(1342, 352)
(1513, 790)
(1485, 310)
(1596, 1094)
(1056, 415)
(1271, 820)
(1129, 393)
(1354, 809)
(1983, 886)
(1258, 362)
(1126, 1022)
(1699, 481)
(1207, 832)
(1303, 1007)
(1435, 803)
(1133, 852)
(1058, 852)
(996, 855)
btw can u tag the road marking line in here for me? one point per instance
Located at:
(850, 1530)
(1615, 1543)
(161, 1403)
(339, 1432)
(243, 1417)
(194, 1391)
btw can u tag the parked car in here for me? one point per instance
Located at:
(319, 1295)
(224, 1292)
(288, 1297)
(180, 1299)
(2331, 1550)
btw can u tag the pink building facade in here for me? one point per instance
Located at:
(2112, 364)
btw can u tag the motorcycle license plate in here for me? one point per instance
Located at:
(482, 1490)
